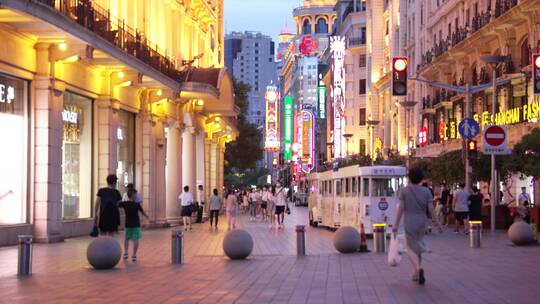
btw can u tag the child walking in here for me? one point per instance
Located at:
(133, 223)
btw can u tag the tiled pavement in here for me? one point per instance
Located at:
(496, 273)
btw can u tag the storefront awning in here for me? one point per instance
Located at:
(214, 86)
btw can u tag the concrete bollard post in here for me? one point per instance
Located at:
(301, 240)
(177, 247)
(24, 263)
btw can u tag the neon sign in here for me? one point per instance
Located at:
(308, 46)
(288, 127)
(308, 141)
(322, 101)
(337, 50)
(422, 137)
(272, 142)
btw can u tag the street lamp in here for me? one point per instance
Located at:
(347, 137)
(493, 61)
(371, 125)
(408, 105)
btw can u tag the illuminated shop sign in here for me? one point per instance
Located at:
(322, 101)
(72, 115)
(308, 141)
(272, 141)
(337, 50)
(422, 137)
(7, 93)
(524, 113)
(288, 127)
(308, 45)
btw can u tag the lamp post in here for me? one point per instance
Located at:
(493, 61)
(408, 105)
(347, 137)
(371, 125)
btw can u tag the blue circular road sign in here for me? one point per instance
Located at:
(468, 128)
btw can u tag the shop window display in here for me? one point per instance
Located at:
(125, 149)
(14, 152)
(77, 157)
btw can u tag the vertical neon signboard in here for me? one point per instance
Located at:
(271, 142)
(308, 141)
(321, 90)
(337, 50)
(287, 127)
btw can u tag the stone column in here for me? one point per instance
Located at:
(148, 181)
(214, 152)
(160, 196)
(174, 169)
(207, 183)
(189, 159)
(221, 166)
(48, 128)
(107, 125)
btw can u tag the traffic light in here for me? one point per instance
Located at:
(536, 72)
(399, 76)
(472, 145)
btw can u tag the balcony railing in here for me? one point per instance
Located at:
(99, 20)
(460, 34)
(356, 41)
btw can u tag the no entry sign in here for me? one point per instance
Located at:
(495, 140)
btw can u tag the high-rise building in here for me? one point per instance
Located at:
(250, 58)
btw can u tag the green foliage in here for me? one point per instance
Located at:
(247, 178)
(447, 167)
(525, 157)
(243, 153)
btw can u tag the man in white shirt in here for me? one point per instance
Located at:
(281, 202)
(461, 208)
(524, 198)
(254, 198)
(186, 202)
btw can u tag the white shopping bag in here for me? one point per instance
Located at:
(394, 251)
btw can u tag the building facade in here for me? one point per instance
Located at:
(448, 43)
(92, 88)
(250, 58)
(351, 24)
(300, 84)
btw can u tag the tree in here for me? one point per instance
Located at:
(525, 157)
(243, 153)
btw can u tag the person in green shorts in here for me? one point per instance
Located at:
(133, 223)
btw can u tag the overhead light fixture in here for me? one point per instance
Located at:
(159, 92)
(218, 118)
(121, 74)
(200, 102)
(62, 46)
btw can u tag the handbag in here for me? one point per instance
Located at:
(288, 210)
(394, 252)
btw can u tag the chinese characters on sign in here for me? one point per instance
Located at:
(337, 50)
(288, 127)
(308, 123)
(272, 140)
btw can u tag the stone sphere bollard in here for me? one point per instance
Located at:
(104, 252)
(347, 239)
(237, 244)
(520, 233)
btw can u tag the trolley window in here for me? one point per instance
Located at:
(347, 186)
(330, 187)
(365, 186)
(338, 187)
(383, 187)
(354, 186)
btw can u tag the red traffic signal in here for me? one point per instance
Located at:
(536, 72)
(472, 145)
(399, 76)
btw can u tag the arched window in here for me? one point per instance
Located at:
(321, 27)
(306, 27)
(525, 53)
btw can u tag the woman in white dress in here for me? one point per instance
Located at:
(414, 205)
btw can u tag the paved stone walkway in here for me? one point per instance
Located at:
(496, 273)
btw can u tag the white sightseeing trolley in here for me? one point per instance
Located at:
(354, 195)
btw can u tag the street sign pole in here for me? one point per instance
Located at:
(494, 192)
(467, 114)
